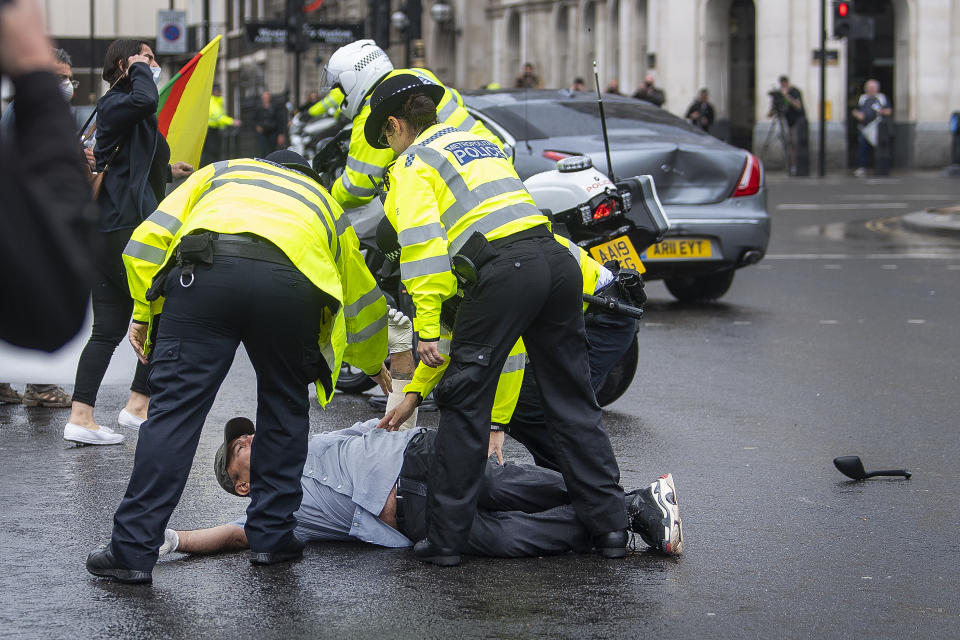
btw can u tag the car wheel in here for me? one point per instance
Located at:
(621, 376)
(700, 288)
(352, 380)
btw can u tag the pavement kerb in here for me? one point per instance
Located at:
(943, 221)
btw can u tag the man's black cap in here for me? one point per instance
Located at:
(388, 98)
(234, 428)
(293, 160)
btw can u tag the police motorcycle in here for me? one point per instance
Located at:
(308, 132)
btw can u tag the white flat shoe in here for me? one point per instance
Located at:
(127, 419)
(105, 435)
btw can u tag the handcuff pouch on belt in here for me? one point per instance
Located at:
(193, 250)
(474, 253)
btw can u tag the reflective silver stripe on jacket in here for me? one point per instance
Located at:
(423, 233)
(362, 302)
(368, 331)
(144, 252)
(575, 250)
(301, 180)
(448, 110)
(165, 220)
(514, 363)
(270, 186)
(465, 199)
(443, 346)
(354, 190)
(365, 168)
(424, 267)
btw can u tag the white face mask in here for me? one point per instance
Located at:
(156, 71)
(66, 90)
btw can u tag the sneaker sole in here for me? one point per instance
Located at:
(672, 525)
(81, 440)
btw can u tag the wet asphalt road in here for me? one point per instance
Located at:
(842, 341)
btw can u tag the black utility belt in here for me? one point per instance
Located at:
(478, 251)
(241, 246)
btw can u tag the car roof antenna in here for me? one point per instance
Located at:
(603, 123)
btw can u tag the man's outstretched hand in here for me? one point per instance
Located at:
(496, 445)
(399, 414)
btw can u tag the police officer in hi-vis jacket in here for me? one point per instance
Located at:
(253, 252)
(459, 206)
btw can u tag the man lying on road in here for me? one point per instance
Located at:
(369, 484)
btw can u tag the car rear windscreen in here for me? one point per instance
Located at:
(539, 120)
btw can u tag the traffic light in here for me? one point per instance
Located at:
(296, 39)
(842, 19)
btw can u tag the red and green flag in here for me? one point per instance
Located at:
(185, 105)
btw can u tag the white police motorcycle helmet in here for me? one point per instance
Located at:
(356, 67)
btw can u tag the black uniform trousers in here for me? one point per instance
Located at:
(522, 510)
(276, 313)
(531, 289)
(608, 338)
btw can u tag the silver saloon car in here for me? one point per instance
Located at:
(713, 193)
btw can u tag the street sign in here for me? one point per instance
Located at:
(274, 33)
(833, 56)
(171, 31)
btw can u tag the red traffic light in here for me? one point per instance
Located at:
(843, 9)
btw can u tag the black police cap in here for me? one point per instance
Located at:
(388, 98)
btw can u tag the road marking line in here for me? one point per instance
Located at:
(889, 267)
(741, 323)
(953, 267)
(866, 256)
(916, 321)
(653, 324)
(894, 196)
(829, 322)
(841, 206)
(832, 267)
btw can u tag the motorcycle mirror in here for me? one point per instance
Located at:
(852, 467)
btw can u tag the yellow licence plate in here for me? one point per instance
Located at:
(619, 249)
(679, 249)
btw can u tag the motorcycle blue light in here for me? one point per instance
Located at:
(574, 163)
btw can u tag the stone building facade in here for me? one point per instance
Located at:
(735, 48)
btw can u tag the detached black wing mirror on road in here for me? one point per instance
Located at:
(852, 467)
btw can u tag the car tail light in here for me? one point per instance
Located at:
(557, 155)
(750, 179)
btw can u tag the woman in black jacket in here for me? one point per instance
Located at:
(136, 159)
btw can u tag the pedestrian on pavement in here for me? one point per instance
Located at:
(789, 106)
(650, 92)
(522, 510)
(356, 69)
(251, 252)
(700, 112)
(873, 112)
(613, 88)
(270, 122)
(136, 161)
(47, 236)
(528, 79)
(455, 198)
(578, 84)
(217, 121)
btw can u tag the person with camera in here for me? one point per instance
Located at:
(786, 103)
(873, 112)
(462, 213)
(700, 113)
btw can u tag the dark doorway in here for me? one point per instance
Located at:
(742, 69)
(870, 59)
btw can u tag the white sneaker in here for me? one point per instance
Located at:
(105, 435)
(127, 419)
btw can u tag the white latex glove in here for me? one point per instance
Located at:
(170, 542)
(399, 331)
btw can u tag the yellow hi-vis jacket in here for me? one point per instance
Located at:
(447, 185)
(298, 216)
(354, 186)
(218, 118)
(511, 376)
(329, 105)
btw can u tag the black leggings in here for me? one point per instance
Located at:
(112, 308)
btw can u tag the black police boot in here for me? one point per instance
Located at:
(427, 551)
(612, 544)
(102, 563)
(289, 552)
